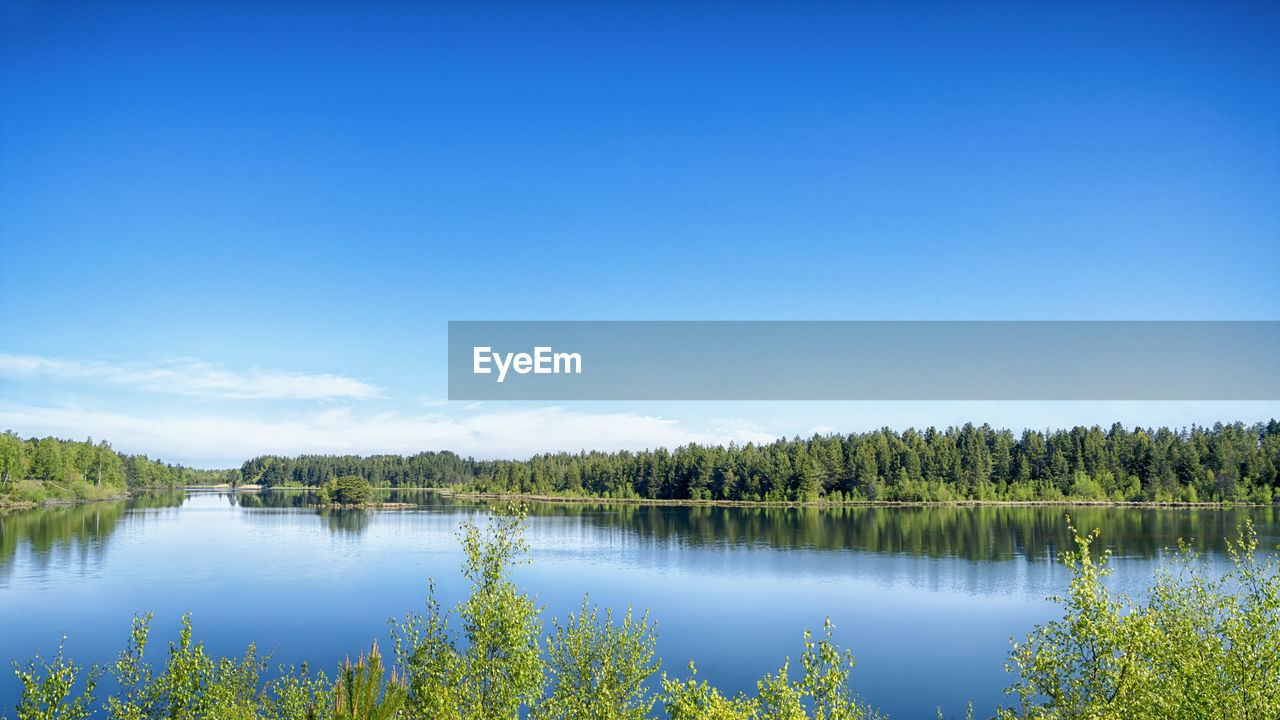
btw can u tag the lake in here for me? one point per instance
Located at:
(926, 597)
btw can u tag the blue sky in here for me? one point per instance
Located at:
(233, 228)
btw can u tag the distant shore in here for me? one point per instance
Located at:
(565, 500)
(823, 504)
(365, 506)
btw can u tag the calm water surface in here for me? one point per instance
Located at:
(927, 598)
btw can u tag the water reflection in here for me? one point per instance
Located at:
(152, 499)
(78, 534)
(346, 520)
(302, 497)
(927, 596)
(73, 535)
(272, 499)
(976, 533)
(352, 521)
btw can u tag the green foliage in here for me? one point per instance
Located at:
(48, 689)
(693, 700)
(48, 462)
(822, 693)
(11, 459)
(1085, 488)
(599, 669)
(346, 490)
(493, 667)
(1227, 462)
(191, 684)
(360, 692)
(28, 491)
(1196, 647)
(1224, 463)
(39, 469)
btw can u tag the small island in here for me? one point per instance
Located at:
(350, 491)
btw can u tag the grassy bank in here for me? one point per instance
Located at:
(36, 493)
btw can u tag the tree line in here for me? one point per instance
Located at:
(1228, 462)
(424, 469)
(40, 468)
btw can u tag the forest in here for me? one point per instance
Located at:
(38, 469)
(1228, 462)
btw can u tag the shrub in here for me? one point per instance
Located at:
(1196, 647)
(1085, 488)
(49, 688)
(599, 669)
(1262, 495)
(360, 692)
(493, 666)
(29, 491)
(346, 490)
(190, 685)
(823, 690)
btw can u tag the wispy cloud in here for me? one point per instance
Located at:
(221, 441)
(190, 377)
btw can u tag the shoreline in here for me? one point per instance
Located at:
(666, 502)
(61, 502)
(57, 502)
(364, 506)
(822, 504)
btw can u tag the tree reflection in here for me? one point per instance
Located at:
(79, 533)
(971, 532)
(351, 521)
(71, 533)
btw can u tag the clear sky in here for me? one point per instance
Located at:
(232, 228)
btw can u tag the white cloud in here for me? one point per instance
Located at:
(208, 441)
(190, 377)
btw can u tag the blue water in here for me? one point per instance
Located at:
(927, 598)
